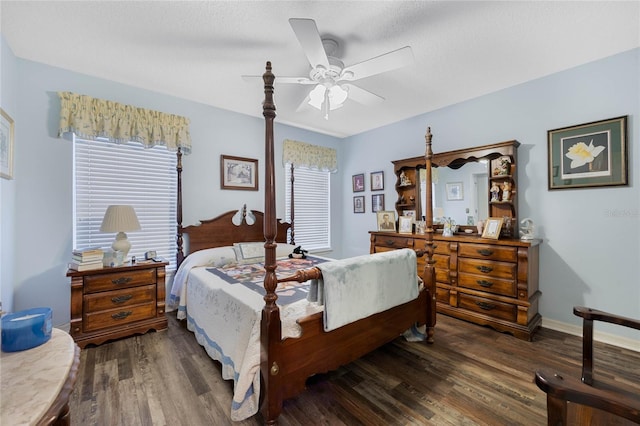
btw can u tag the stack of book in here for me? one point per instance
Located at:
(86, 260)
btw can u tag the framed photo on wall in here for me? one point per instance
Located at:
(386, 220)
(588, 155)
(377, 181)
(377, 202)
(357, 182)
(358, 204)
(454, 191)
(238, 173)
(6, 145)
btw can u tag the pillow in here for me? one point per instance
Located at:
(218, 256)
(247, 253)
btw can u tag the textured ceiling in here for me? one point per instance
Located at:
(199, 50)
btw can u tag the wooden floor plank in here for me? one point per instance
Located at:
(471, 375)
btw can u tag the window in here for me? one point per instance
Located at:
(311, 208)
(107, 173)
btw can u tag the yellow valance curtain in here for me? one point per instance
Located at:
(315, 157)
(91, 118)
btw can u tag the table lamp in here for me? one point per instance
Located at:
(120, 219)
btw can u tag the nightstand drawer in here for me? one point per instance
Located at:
(488, 268)
(119, 280)
(119, 299)
(488, 284)
(488, 251)
(118, 317)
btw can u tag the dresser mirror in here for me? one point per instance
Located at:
(461, 183)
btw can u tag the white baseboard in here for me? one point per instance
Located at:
(576, 330)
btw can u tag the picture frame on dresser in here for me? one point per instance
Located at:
(238, 173)
(492, 228)
(588, 155)
(386, 220)
(377, 181)
(405, 225)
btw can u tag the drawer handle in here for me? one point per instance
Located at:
(486, 306)
(121, 280)
(121, 315)
(485, 283)
(121, 299)
(485, 252)
(484, 269)
(390, 243)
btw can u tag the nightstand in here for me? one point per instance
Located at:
(111, 303)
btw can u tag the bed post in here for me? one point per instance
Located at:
(180, 252)
(429, 268)
(270, 334)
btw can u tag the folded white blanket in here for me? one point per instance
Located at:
(358, 287)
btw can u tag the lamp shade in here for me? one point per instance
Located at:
(120, 219)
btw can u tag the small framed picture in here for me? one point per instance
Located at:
(377, 181)
(377, 202)
(405, 224)
(358, 182)
(454, 191)
(238, 173)
(386, 220)
(358, 204)
(6, 145)
(410, 213)
(492, 228)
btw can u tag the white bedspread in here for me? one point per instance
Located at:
(226, 322)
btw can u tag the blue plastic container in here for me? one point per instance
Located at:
(26, 329)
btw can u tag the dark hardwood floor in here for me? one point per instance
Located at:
(471, 375)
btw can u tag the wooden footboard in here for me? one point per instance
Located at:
(288, 363)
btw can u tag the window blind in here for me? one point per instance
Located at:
(107, 173)
(312, 208)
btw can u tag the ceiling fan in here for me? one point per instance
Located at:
(332, 80)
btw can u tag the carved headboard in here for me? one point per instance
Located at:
(221, 231)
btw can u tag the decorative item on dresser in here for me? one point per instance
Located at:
(110, 303)
(482, 275)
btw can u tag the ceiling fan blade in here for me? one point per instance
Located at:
(309, 38)
(295, 80)
(361, 95)
(383, 63)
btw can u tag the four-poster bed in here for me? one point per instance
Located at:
(287, 359)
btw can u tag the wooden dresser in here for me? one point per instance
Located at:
(485, 281)
(111, 303)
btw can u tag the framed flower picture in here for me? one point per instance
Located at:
(588, 155)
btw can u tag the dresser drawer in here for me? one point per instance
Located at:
(488, 251)
(440, 247)
(393, 242)
(119, 299)
(492, 308)
(118, 280)
(487, 268)
(118, 317)
(442, 295)
(488, 284)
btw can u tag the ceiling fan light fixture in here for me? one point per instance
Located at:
(336, 96)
